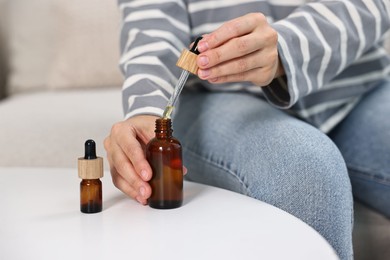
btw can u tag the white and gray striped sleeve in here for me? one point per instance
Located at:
(151, 41)
(319, 40)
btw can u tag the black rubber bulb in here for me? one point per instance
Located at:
(90, 149)
(194, 48)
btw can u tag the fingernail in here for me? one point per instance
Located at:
(204, 73)
(203, 60)
(144, 175)
(185, 170)
(142, 191)
(203, 46)
(139, 199)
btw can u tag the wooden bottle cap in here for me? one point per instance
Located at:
(187, 61)
(90, 169)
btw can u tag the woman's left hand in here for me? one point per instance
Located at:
(243, 49)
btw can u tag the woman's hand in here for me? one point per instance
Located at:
(125, 146)
(243, 49)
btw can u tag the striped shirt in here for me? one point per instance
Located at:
(332, 52)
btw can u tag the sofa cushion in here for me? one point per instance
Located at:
(57, 44)
(48, 129)
(371, 234)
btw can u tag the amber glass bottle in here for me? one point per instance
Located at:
(165, 157)
(90, 168)
(91, 196)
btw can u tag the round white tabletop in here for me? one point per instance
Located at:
(40, 219)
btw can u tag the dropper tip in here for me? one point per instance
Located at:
(167, 112)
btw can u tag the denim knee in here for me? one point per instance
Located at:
(264, 153)
(304, 175)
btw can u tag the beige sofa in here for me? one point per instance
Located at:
(60, 85)
(58, 69)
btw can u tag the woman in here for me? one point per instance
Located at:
(289, 106)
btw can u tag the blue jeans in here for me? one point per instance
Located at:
(364, 140)
(239, 142)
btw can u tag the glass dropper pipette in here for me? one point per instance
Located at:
(187, 61)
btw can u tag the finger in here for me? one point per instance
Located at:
(258, 59)
(126, 170)
(237, 47)
(122, 185)
(136, 155)
(259, 76)
(131, 146)
(234, 28)
(233, 66)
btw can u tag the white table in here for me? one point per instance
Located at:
(40, 219)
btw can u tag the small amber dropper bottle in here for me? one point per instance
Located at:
(165, 157)
(90, 168)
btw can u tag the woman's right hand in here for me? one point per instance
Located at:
(125, 146)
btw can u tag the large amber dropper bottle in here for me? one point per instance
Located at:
(165, 157)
